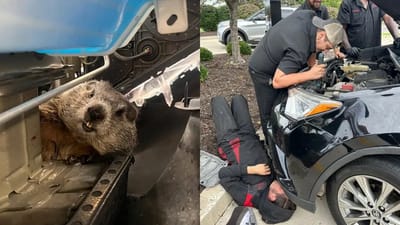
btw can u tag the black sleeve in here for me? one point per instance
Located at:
(292, 61)
(233, 171)
(344, 15)
(325, 13)
(230, 180)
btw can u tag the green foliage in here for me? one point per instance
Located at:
(258, 3)
(205, 54)
(332, 3)
(246, 10)
(229, 48)
(203, 73)
(333, 12)
(211, 16)
(208, 18)
(223, 13)
(245, 48)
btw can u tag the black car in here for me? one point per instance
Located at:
(343, 133)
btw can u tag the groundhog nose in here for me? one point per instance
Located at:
(95, 113)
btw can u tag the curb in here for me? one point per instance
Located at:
(213, 203)
(205, 34)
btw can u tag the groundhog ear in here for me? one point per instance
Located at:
(132, 112)
(90, 85)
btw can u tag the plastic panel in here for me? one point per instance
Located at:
(20, 145)
(73, 27)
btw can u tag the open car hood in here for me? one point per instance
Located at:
(391, 7)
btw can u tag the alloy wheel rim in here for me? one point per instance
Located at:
(367, 200)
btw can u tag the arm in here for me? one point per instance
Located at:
(232, 172)
(350, 51)
(236, 171)
(325, 13)
(346, 43)
(230, 180)
(259, 169)
(344, 17)
(282, 80)
(391, 25)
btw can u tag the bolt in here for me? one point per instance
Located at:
(386, 220)
(382, 208)
(370, 205)
(376, 221)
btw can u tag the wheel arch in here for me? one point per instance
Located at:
(228, 31)
(347, 159)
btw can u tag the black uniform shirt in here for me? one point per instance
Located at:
(322, 12)
(287, 45)
(363, 24)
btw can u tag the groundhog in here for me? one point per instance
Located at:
(91, 118)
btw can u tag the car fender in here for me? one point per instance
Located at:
(343, 161)
(228, 31)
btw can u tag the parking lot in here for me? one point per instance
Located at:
(210, 41)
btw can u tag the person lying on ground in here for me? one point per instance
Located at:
(248, 178)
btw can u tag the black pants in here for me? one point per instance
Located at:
(265, 95)
(237, 139)
(229, 120)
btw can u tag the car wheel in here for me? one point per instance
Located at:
(366, 192)
(240, 36)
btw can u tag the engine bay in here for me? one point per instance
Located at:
(348, 75)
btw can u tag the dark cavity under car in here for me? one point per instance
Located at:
(343, 133)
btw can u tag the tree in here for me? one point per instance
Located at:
(233, 9)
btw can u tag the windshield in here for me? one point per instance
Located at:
(259, 15)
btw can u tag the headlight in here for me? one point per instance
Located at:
(301, 104)
(221, 25)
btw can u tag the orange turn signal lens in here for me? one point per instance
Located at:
(323, 107)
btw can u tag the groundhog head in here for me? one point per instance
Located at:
(97, 114)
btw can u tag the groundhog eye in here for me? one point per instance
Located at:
(120, 112)
(91, 94)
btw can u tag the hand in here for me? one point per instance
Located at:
(259, 169)
(339, 54)
(317, 71)
(353, 52)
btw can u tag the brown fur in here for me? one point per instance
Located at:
(87, 119)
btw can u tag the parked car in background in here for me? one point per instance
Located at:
(251, 29)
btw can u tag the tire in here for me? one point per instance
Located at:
(366, 178)
(228, 38)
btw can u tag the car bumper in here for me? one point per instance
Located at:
(220, 36)
(307, 205)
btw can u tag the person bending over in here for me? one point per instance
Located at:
(287, 48)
